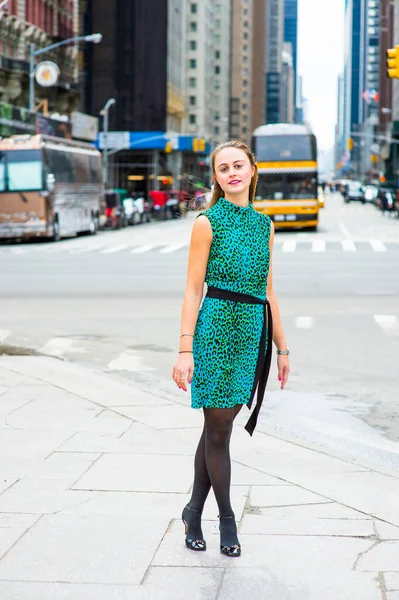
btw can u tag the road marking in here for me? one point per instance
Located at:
(289, 246)
(4, 333)
(19, 250)
(113, 249)
(348, 245)
(172, 248)
(378, 246)
(389, 323)
(142, 249)
(129, 361)
(318, 246)
(304, 322)
(344, 230)
(59, 346)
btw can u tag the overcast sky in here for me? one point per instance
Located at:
(320, 60)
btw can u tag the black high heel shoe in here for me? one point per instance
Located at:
(191, 518)
(229, 545)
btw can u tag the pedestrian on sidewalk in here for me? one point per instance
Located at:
(226, 344)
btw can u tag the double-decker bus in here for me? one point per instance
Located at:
(287, 189)
(49, 187)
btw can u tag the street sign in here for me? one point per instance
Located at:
(47, 73)
(115, 139)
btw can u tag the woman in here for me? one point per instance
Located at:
(225, 347)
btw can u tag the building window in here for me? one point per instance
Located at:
(192, 82)
(245, 59)
(245, 94)
(193, 45)
(216, 130)
(193, 7)
(217, 23)
(193, 119)
(193, 100)
(245, 24)
(245, 12)
(244, 130)
(217, 70)
(193, 26)
(245, 82)
(244, 106)
(245, 35)
(217, 84)
(217, 54)
(193, 63)
(245, 48)
(217, 116)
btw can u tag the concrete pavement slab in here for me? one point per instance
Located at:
(139, 473)
(41, 501)
(8, 377)
(180, 583)
(308, 585)
(267, 525)
(329, 510)
(385, 531)
(295, 553)
(8, 537)
(283, 496)
(172, 416)
(245, 475)
(392, 581)
(22, 443)
(32, 590)
(383, 556)
(17, 520)
(65, 548)
(91, 385)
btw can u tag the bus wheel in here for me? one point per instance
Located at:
(312, 228)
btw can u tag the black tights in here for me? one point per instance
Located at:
(212, 459)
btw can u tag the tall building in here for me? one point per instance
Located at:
(42, 23)
(176, 65)
(340, 142)
(259, 13)
(221, 68)
(291, 36)
(241, 69)
(361, 75)
(287, 85)
(274, 40)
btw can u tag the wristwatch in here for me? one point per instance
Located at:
(283, 352)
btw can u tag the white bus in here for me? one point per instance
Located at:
(49, 187)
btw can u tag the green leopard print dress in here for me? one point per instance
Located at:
(227, 334)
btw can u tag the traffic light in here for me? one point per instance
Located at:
(393, 62)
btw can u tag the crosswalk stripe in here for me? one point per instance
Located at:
(348, 245)
(378, 246)
(304, 322)
(59, 346)
(289, 246)
(172, 248)
(114, 249)
(318, 246)
(4, 333)
(389, 323)
(142, 249)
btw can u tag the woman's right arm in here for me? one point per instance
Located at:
(201, 240)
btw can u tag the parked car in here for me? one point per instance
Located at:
(354, 190)
(386, 199)
(370, 193)
(115, 217)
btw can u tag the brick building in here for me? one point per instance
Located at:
(41, 22)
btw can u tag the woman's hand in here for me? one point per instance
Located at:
(183, 370)
(283, 366)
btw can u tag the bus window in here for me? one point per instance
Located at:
(95, 168)
(300, 186)
(269, 187)
(25, 170)
(60, 163)
(2, 171)
(284, 147)
(81, 163)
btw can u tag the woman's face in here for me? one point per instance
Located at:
(233, 170)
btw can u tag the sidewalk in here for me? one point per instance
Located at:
(94, 474)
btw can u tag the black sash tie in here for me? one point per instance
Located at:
(264, 360)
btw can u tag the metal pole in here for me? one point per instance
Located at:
(31, 77)
(105, 149)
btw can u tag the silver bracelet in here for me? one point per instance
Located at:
(283, 352)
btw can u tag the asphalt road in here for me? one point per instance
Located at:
(113, 302)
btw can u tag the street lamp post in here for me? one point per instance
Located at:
(94, 37)
(104, 112)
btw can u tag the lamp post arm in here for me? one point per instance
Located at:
(78, 38)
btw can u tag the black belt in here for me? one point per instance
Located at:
(264, 361)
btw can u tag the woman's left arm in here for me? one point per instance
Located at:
(278, 333)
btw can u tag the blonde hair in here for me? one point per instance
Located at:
(217, 190)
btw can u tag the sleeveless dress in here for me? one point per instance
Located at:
(227, 333)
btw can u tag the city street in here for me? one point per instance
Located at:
(112, 302)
